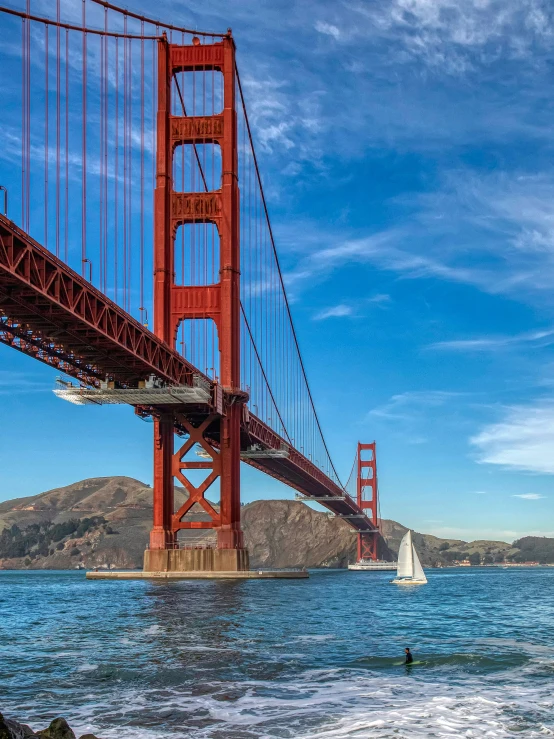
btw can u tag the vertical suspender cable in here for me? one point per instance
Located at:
(101, 168)
(66, 209)
(58, 97)
(116, 174)
(282, 286)
(23, 116)
(106, 148)
(28, 126)
(130, 180)
(142, 168)
(154, 122)
(125, 164)
(47, 54)
(84, 151)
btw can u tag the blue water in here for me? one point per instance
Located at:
(303, 659)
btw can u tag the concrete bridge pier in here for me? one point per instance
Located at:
(196, 560)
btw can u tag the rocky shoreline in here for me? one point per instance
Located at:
(58, 729)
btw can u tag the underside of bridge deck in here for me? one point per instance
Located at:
(52, 314)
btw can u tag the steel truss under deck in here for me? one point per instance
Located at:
(52, 314)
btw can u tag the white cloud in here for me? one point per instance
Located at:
(282, 120)
(16, 383)
(380, 298)
(479, 492)
(337, 311)
(523, 440)
(395, 49)
(492, 343)
(328, 29)
(405, 405)
(456, 35)
(343, 310)
(529, 496)
(493, 232)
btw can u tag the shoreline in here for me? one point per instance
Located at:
(57, 729)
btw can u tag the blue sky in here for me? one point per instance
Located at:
(406, 152)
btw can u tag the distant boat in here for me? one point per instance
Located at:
(370, 565)
(410, 571)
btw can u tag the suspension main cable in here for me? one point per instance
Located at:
(152, 21)
(264, 374)
(68, 26)
(351, 471)
(201, 169)
(258, 176)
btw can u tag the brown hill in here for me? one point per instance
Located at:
(288, 533)
(278, 533)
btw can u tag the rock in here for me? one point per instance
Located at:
(4, 730)
(58, 729)
(10, 729)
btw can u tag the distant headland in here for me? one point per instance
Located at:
(105, 521)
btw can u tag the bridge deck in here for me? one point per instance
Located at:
(49, 312)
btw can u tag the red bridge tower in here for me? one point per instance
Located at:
(367, 498)
(219, 302)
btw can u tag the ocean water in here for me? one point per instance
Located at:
(316, 659)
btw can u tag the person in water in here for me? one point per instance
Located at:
(409, 657)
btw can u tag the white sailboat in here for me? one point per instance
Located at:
(410, 571)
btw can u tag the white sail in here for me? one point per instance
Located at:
(405, 557)
(418, 569)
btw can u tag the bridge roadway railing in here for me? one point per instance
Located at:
(51, 313)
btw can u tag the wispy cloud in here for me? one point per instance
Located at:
(16, 383)
(328, 29)
(493, 232)
(379, 299)
(456, 35)
(529, 496)
(337, 311)
(404, 405)
(522, 440)
(344, 310)
(493, 343)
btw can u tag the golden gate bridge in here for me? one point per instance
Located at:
(127, 152)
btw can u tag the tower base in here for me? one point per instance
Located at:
(199, 575)
(196, 560)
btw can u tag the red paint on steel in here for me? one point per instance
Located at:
(366, 494)
(52, 306)
(213, 469)
(55, 315)
(219, 302)
(51, 313)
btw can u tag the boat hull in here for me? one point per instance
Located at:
(408, 581)
(373, 566)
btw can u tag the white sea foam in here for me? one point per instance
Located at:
(486, 665)
(154, 629)
(330, 704)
